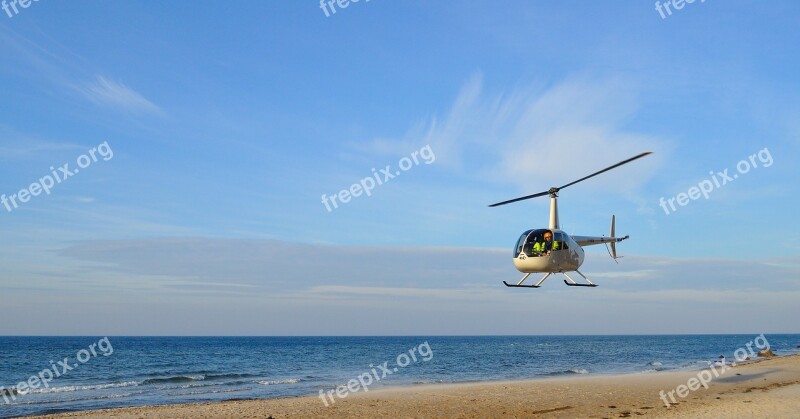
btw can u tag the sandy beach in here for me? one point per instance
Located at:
(764, 388)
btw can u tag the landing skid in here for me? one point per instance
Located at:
(579, 285)
(520, 286)
(571, 281)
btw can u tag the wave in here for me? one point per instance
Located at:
(424, 382)
(570, 371)
(195, 384)
(193, 377)
(200, 393)
(656, 366)
(176, 379)
(67, 389)
(233, 375)
(656, 369)
(8, 392)
(274, 382)
(74, 399)
(207, 384)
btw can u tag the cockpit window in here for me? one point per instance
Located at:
(533, 244)
(520, 243)
(559, 239)
(542, 242)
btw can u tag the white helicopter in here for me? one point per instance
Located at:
(550, 250)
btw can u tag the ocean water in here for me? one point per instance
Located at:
(136, 371)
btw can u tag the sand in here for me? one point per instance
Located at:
(766, 388)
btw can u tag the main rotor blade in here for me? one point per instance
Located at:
(555, 190)
(521, 198)
(606, 169)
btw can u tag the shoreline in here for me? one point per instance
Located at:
(768, 386)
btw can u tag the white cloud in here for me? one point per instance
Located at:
(456, 293)
(539, 136)
(107, 92)
(637, 274)
(282, 266)
(19, 145)
(227, 286)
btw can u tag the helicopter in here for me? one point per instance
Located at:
(551, 250)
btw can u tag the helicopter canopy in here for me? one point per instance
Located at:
(529, 239)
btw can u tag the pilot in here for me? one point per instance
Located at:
(548, 244)
(538, 247)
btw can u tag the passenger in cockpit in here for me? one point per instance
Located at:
(549, 244)
(544, 248)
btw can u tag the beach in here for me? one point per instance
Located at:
(763, 388)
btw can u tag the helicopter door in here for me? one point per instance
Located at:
(559, 242)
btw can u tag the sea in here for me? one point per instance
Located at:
(66, 374)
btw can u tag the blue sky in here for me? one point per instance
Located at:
(229, 120)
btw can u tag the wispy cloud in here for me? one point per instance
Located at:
(34, 149)
(64, 69)
(108, 92)
(282, 266)
(18, 145)
(546, 133)
(459, 294)
(229, 286)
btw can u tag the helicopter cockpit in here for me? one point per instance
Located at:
(533, 243)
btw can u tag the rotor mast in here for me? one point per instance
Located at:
(554, 209)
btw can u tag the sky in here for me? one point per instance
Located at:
(212, 141)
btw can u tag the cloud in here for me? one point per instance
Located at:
(284, 266)
(638, 274)
(281, 266)
(460, 294)
(449, 136)
(16, 145)
(539, 135)
(236, 286)
(62, 67)
(107, 92)
(575, 129)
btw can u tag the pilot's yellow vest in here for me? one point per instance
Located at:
(540, 247)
